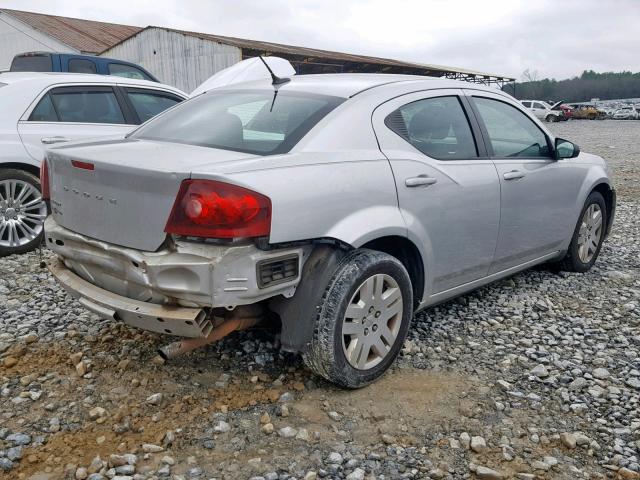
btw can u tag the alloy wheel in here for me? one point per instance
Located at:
(590, 233)
(372, 321)
(22, 213)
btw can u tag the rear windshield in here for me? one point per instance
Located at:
(251, 121)
(39, 62)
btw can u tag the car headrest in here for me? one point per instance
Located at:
(228, 129)
(98, 106)
(71, 103)
(431, 123)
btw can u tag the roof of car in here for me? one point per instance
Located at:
(350, 84)
(50, 78)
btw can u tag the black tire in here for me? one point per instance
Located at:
(325, 355)
(551, 118)
(16, 174)
(571, 262)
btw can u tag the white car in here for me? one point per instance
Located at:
(43, 109)
(544, 111)
(625, 113)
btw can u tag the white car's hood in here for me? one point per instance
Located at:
(246, 71)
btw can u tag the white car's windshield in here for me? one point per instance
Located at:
(252, 121)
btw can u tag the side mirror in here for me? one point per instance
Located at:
(566, 149)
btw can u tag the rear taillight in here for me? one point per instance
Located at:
(44, 180)
(212, 209)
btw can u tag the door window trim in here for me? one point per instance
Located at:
(481, 150)
(126, 90)
(127, 115)
(487, 138)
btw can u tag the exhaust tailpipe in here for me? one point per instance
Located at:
(232, 324)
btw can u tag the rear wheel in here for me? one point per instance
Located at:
(362, 320)
(588, 236)
(22, 212)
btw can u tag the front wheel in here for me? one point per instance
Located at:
(22, 212)
(551, 118)
(362, 319)
(588, 236)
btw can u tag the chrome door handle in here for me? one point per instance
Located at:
(420, 181)
(52, 140)
(514, 175)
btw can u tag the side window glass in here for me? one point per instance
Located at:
(149, 104)
(81, 65)
(438, 127)
(44, 111)
(127, 71)
(89, 106)
(511, 132)
(538, 105)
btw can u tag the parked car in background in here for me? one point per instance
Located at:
(587, 112)
(44, 109)
(336, 204)
(567, 111)
(73, 63)
(625, 113)
(544, 111)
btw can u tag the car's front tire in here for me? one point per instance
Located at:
(22, 212)
(362, 319)
(588, 236)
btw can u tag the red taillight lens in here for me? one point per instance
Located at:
(212, 209)
(44, 180)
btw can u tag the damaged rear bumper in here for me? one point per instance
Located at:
(174, 289)
(183, 321)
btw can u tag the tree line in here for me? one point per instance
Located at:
(605, 86)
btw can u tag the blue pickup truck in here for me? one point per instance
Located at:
(69, 62)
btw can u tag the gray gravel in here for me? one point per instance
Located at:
(537, 376)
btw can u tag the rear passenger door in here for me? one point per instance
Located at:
(448, 189)
(538, 110)
(538, 193)
(70, 113)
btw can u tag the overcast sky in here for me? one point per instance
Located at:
(556, 38)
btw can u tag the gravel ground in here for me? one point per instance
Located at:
(537, 376)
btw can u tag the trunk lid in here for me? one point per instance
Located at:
(122, 191)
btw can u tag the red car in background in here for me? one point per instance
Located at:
(567, 111)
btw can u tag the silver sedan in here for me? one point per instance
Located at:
(336, 205)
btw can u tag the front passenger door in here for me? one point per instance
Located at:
(448, 190)
(538, 193)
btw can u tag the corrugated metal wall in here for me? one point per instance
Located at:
(17, 37)
(176, 59)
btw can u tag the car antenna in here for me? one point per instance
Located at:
(276, 81)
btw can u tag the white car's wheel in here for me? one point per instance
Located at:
(22, 212)
(362, 320)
